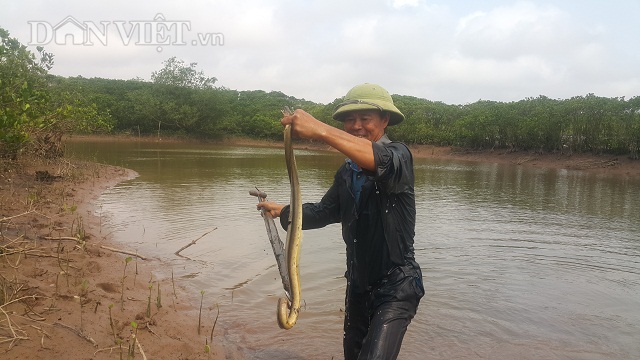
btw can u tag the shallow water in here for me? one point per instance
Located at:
(518, 262)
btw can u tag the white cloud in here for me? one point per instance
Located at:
(402, 3)
(523, 29)
(449, 51)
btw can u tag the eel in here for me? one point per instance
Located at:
(289, 308)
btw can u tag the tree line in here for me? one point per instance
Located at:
(580, 124)
(38, 108)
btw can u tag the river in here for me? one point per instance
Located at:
(519, 263)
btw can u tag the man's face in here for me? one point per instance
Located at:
(368, 124)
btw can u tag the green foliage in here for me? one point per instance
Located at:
(23, 93)
(74, 109)
(36, 108)
(580, 124)
(146, 108)
(176, 73)
(180, 100)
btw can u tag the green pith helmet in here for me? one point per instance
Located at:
(368, 97)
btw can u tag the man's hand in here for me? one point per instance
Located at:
(304, 125)
(273, 209)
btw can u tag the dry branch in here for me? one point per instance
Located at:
(23, 214)
(15, 216)
(140, 348)
(193, 242)
(19, 299)
(110, 349)
(77, 332)
(62, 238)
(15, 337)
(70, 238)
(124, 252)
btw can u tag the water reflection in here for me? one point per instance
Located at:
(519, 262)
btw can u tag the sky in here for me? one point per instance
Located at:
(453, 51)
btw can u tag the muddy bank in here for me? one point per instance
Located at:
(67, 291)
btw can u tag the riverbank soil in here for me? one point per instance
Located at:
(67, 291)
(597, 164)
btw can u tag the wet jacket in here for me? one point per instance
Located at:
(379, 229)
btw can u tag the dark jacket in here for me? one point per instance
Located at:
(378, 230)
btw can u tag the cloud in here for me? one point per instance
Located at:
(404, 3)
(520, 50)
(447, 51)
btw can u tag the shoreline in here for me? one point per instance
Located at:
(62, 276)
(613, 165)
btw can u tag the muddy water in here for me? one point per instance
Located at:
(518, 263)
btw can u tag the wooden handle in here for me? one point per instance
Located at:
(258, 193)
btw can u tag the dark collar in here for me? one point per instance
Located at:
(384, 140)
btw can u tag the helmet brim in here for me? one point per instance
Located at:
(395, 116)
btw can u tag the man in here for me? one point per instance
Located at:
(373, 197)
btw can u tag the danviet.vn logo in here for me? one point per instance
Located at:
(158, 32)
